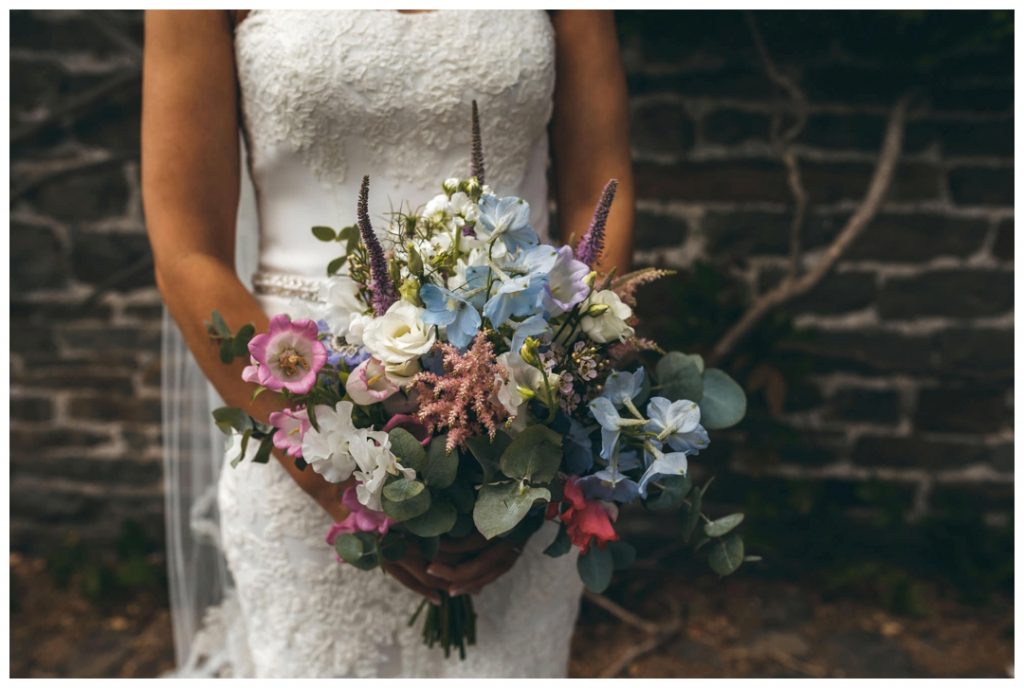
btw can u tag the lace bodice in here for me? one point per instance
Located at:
(326, 98)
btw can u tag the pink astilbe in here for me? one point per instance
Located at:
(625, 287)
(463, 401)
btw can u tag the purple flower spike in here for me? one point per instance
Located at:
(589, 249)
(382, 290)
(477, 161)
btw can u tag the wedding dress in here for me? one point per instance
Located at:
(328, 97)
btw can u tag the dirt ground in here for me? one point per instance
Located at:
(741, 627)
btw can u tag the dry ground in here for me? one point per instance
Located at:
(739, 627)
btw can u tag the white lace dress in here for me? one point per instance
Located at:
(328, 97)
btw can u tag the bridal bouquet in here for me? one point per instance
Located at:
(466, 377)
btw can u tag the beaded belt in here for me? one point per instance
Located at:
(287, 286)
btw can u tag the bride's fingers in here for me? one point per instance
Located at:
(470, 543)
(403, 576)
(418, 569)
(474, 586)
(494, 556)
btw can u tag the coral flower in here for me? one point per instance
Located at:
(585, 520)
(288, 355)
(291, 426)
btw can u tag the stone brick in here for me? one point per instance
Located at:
(990, 99)
(97, 256)
(835, 182)
(949, 293)
(1003, 246)
(864, 405)
(29, 444)
(839, 292)
(97, 406)
(733, 127)
(965, 410)
(746, 81)
(661, 129)
(31, 408)
(962, 137)
(658, 231)
(99, 193)
(918, 237)
(844, 132)
(37, 259)
(107, 339)
(115, 125)
(723, 181)
(982, 186)
(916, 452)
(119, 471)
(971, 500)
(79, 377)
(68, 32)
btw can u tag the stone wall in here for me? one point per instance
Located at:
(893, 378)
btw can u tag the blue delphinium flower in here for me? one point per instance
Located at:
(566, 287)
(622, 386)
(534, 326)
(678, 424)
(448, 309)
(610, 486)
(611, 424)
(665, 464)
(518, 296)
(507, 218)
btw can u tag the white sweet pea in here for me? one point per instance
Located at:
(356, 327)
(397, 339)
(327, 450)
(524, 382)
(605, 316)
(341, 302)
(371, 452)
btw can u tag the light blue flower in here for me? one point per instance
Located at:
(666, 464)
(475, 288)
(611, 424)
(518, 296)
(678, 424)
(535, 260)
(566, 287)
(507, 218)
(534, 326)
(609, 486)
(451, 311)
(621, 386)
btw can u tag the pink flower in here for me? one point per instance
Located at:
(287, 356)
(359, 520)
(585, 519)
(414, 426)
(291, 426)
(368, 383)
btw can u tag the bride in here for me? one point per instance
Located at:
(322, 98)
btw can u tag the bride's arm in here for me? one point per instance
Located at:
(190, 186)
(590, 130)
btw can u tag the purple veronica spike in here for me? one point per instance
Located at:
(477, 162)
(382, 290)
(590, 246)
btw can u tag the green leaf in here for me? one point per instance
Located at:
(595, 568)
(407, 448)
(245, 445)
(534, 455)
(437, 520)
(488, 453)
(324, 233)
(674, 489)
(240, 344)
(350, 236)
(692, 517)
(441, 466)
(623, 554)
(679, 375)
(220, 326)
(393, 546)
(560, 545)
(724, 404)
(263, 453)
(227, 351)
(726, 555)
(463, 526)
(462, 495)
(358, 549)
(499, 508)
(722, 526)
(403, 499)
(230, 418)
(335, 265)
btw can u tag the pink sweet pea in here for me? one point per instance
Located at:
(359, 519)
(291, 426)
(287, 356)
(368, 384)
(410, 423)
(585, 519)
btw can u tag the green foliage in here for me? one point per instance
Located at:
(669, 493)
(724, 404)
(726, 555)
(407, 448)
(441, 466)
(722, 526)
(499, 508)
(534, 455)
(596, 568)
(358, 549)
(404, 499)
(680, 376)
(436, 520)
(560, 545)
(488, 453)
(231, 345)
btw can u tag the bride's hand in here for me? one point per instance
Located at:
(412, 572)
(470, 563)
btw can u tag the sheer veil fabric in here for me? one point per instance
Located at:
(327, 97)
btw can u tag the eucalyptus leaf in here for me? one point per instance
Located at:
(220, 326)
(227, 351)
(437, 520)
(679, 376)
(404, 499)
(349, 235)
(724, 404)
(560, 545)
(623, 554)
(358, 549)
(674, 489)
(463, 496)
(240, 344)
(533, 455)
(441, 465)
(596, 568)
(230, 418)
(392, 546)
(726, 555)
(722, 526)
(499, 508)
(487, 453)
(324, 233)
(463, 525)
(407, 448)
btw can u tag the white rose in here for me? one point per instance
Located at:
(397, 339)
(609, 323)
(342, 302)
(327, 451)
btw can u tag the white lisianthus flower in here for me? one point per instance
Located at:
(397, 339)
(605, 316)
(327, 450)
(371, 452)
(340, 296)
(356, 327)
